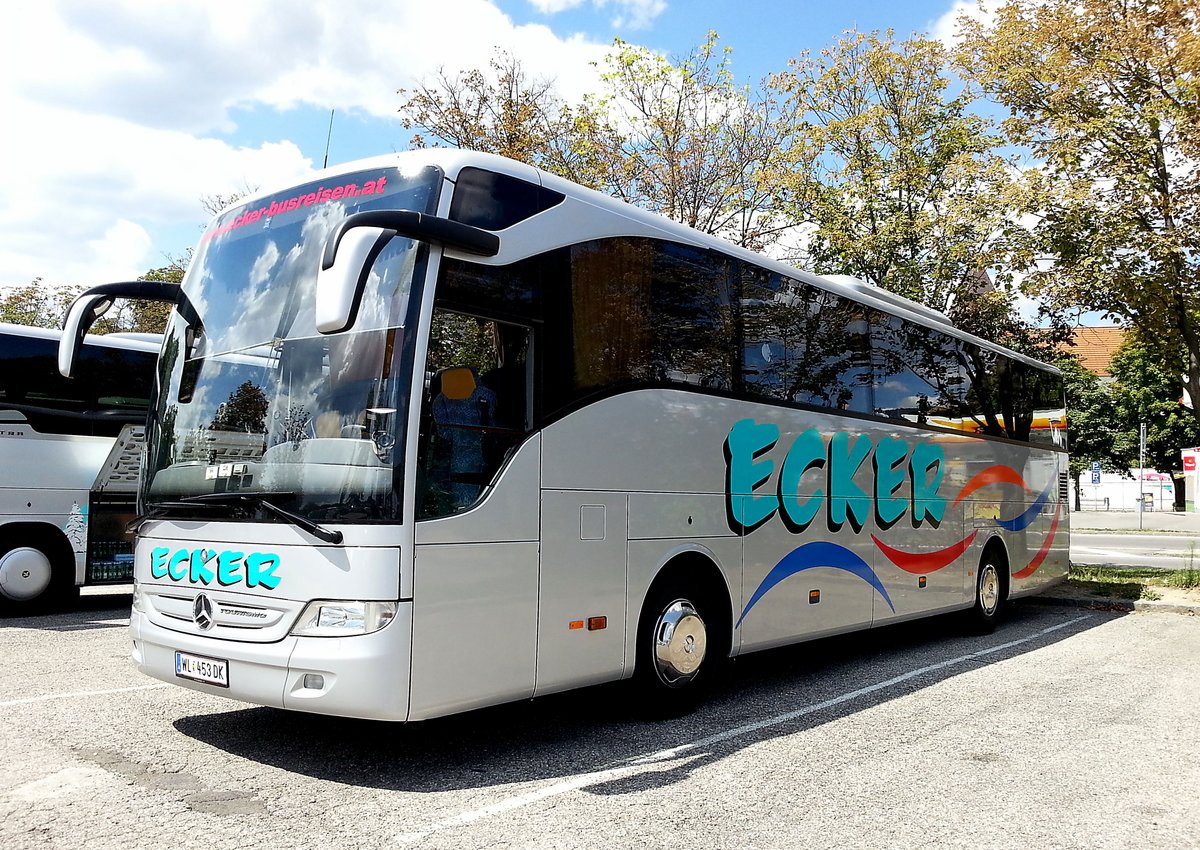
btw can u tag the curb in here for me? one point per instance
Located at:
(1096, 604)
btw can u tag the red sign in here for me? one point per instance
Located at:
(1189, 463)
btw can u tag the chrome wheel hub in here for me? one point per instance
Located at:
(989, 589)
(680, 643)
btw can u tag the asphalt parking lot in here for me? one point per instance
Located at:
(1066, 728)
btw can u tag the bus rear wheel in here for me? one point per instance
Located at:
(31, 581)
(989, 592)
(675, 650)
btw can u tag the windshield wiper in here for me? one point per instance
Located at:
(256, 499)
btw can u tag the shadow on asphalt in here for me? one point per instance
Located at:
(597, 728)
(96, 609)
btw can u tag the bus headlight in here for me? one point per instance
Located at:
(334, 618)
(139, 598)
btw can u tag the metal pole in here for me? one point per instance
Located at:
(1141, 472)
(328, 137)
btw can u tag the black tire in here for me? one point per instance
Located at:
(991, 587)
(679, 650)
(35, 578)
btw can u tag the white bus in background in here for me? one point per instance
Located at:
(486, 435)
(69, 452)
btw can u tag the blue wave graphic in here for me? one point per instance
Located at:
(1026, 519)
(810, 556)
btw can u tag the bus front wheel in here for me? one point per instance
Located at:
(30, 580)
(675, 650)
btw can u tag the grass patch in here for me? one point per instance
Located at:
(1188, 579)
(1126, 583)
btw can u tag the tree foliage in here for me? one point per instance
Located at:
(1146, 389)
(40, 305)
(151, 316)
(901, 183)
(693, 144)
(678, 137)
(244, 411)
(1093, 433)
(500, 109)
(1105, 93)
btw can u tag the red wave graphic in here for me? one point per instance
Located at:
(992, 475)
(1045, 550)
(924, 562)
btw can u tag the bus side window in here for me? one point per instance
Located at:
(476, 410)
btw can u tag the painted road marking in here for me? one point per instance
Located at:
(74, 694)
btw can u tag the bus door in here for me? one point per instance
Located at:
(581, 616)
(475, 581)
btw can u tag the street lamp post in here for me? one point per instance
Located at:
(1141, 472)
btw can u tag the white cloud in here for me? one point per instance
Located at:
(553, 7)
(80, 194)
(113, 110)
(634, 14)
(945, 28)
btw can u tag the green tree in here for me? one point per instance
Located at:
(42, 306)
(1147, 389)
(28, 305)
(1093, 433)
(245, 410)
(1106, 95)
(151, 316)
(694, 144)
(500, 110)
(901, 184)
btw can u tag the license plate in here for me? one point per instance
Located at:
(212, 671)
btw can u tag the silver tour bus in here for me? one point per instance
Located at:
(69, 456)
(438, 430)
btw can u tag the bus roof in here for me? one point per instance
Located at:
(618, 218)
(131, 341)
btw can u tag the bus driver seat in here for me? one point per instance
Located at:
(461, 410)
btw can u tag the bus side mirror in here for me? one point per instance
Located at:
(343, 274)
(84, 313)
(356, 242)
(95, 302)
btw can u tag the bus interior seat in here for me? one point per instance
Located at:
(461, 409)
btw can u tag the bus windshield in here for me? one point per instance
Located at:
(252, 398)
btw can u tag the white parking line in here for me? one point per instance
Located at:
(74, 694)
(654, 762)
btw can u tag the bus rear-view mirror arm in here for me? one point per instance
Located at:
(353, 246)
(92, 304)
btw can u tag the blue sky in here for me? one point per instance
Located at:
(121, 115)
(764, 35)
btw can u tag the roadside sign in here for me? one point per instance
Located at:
(1095, 467)
(1095, 477)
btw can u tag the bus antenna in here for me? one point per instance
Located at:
(328, 136)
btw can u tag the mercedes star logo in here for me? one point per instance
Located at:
(202, 612)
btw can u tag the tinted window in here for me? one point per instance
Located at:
(804, 345)
(475, 410)
(650, 312)
(496, 201)
(1007, 397)
(628, 312)
(512, 290)
(111, 386)
(919, 376)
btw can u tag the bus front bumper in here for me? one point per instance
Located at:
(364, 676)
